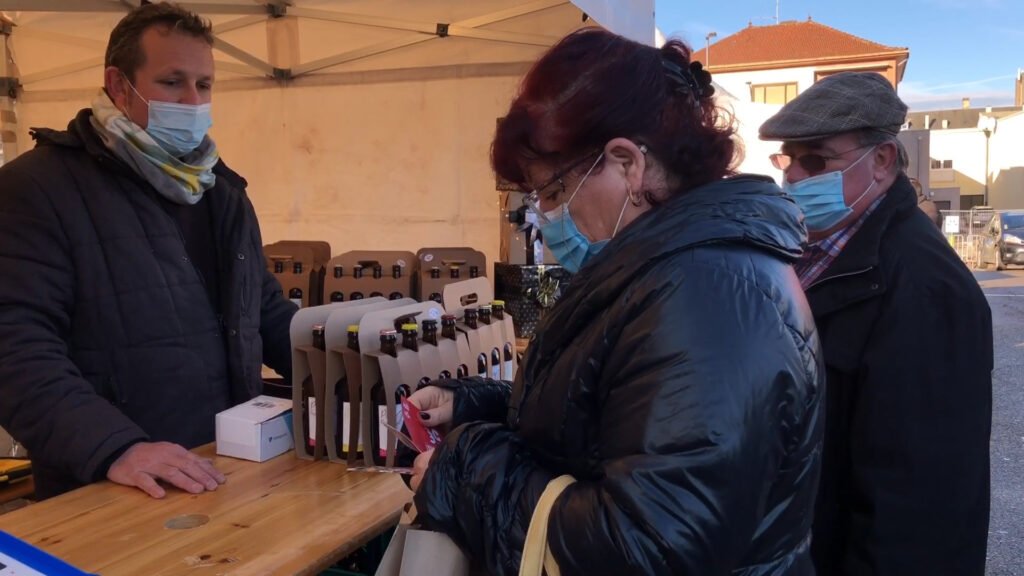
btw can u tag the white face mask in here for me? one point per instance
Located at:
(177, 128)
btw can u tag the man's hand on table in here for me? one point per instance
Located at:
(146, 462)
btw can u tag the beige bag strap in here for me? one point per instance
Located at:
(536, 554)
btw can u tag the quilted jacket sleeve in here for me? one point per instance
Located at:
(47, 405)
(477, 399)
(699, 415)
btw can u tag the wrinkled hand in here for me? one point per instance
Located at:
(435, 404)
(419, 468)
(146, 462)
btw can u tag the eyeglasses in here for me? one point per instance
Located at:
(532, 200)
(812, 163)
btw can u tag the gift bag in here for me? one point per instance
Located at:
(416, 552)
(529, 292)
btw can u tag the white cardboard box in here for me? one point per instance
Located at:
(257, 430)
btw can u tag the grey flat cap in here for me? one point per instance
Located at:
(836, 104)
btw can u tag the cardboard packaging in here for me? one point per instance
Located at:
(257, 430)
(309, 362)
(299, 266)
(364, 274)
(442, 266)
(342, 408)
(387, 374)
(492, 352)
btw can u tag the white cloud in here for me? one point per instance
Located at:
(922, 96)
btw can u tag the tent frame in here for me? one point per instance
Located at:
(259, 11)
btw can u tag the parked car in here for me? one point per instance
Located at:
(1003, 242)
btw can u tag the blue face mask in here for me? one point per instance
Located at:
(821, 198)
(568, 245)
(177, 128)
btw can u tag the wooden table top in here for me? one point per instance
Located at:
(18, 489)
(283, 516)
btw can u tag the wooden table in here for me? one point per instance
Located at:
(18, 489)
(284, 516)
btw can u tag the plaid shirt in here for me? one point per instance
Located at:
(820, 255)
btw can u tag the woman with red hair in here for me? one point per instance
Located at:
(678, 378)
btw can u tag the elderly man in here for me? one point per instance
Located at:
(907, 338)
(134, 300)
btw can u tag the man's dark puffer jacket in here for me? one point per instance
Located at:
(107, 334)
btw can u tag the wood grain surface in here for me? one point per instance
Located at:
(283, 516)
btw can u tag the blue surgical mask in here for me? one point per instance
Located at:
(177, 128)
(821, 198)
(568, 245)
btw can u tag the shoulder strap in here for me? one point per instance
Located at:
(536, 556)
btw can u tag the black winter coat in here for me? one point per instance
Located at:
(907, 335)
(107, 334)
(678, 380)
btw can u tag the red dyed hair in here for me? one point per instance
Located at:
(594, 86)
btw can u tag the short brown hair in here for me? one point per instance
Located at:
(124, 51)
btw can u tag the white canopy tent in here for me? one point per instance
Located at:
(365, 123)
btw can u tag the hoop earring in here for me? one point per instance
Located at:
(634, 201)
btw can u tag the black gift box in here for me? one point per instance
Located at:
(529, 292)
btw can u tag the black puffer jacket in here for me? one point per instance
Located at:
(679, 381)
(107, 334)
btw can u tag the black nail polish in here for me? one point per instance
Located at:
(424, 416)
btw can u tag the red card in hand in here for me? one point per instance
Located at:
(424, 438)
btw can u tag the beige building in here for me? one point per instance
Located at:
(975, 155)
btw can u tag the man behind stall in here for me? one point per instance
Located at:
(134, 300)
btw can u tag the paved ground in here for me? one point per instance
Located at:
(1005, 291)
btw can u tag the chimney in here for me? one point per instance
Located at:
(927, 122)
(945, 124)
(966, 103)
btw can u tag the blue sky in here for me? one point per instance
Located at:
(958, 48)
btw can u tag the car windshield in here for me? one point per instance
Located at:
(1013, 221)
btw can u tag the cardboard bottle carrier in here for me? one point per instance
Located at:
(366, 273)
(282, 258)
(394, 373)
(344, 368)
(449, 265)
(485, 339)
(309, 368)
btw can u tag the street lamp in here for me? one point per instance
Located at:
(987, 124)
(707, 51)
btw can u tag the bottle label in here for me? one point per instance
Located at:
(297, 302)
(496, 371)
(508, 369)
(382, 431)
(346, 411)
(311, 421)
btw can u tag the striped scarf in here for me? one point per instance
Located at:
(182, 181)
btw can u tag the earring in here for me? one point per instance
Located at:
(629, 194)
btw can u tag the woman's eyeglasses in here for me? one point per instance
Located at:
(532, 200)
(812, 163)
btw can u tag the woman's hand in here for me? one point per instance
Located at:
(419, 467)
(435, 405)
